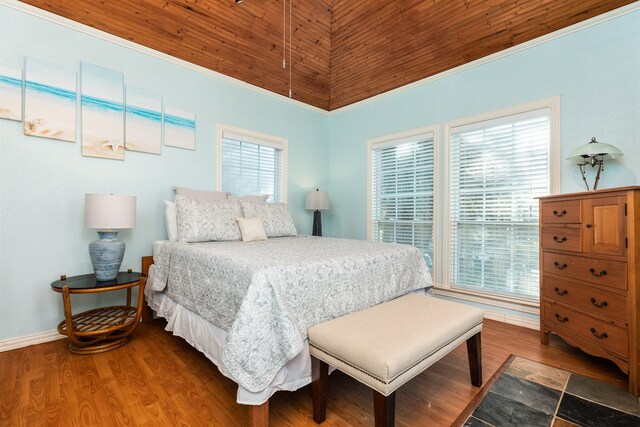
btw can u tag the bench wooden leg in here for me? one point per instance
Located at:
(384, 408)
(320, 378)
(474, 353)
(259, 415)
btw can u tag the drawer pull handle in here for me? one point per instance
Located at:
(560, 266)
(601, 336)
(562, 319)
(562, 292)
(593, 272)
(601, 305)
(559, 239)
(588, 225)
(563, 213)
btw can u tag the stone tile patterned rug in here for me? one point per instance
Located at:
(524, 393)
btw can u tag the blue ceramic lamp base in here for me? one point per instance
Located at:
(106, 255)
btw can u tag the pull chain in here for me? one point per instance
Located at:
(290, 42)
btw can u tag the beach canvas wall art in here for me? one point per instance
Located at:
(179, 128)
(143, 120)
(10, 93)
(49, 101)
(102, 103)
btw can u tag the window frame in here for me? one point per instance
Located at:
(445, 287)
(258, 138)
(432, 129)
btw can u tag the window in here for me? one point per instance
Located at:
(401, 182)
(250, 163)
(497, 168)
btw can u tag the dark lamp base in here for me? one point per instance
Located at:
(317, 223)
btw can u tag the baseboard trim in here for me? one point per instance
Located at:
(513, 320)
(27, 340)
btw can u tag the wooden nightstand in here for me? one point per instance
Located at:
(105, 328)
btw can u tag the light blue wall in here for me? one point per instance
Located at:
(596, 73)
(43, 182)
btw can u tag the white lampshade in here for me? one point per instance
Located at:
(595, 148)
(109, 211)
(317, 200)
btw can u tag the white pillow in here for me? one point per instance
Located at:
(201, 220)
(262, 198)
(275, 217)
(171, 220)
(251, 229)
(199, 194)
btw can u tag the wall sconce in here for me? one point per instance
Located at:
(593, 154)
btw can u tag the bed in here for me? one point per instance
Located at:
(247, 305)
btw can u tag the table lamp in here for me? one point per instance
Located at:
(317, 201)
(593, 154)
(107, 213)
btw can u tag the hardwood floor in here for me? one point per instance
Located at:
(160, 380)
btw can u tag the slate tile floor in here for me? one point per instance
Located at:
(530, 394)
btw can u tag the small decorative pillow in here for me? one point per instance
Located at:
(275, 217)
(262, 198)
(251, 229)
(171, 220)
(202, 220)
(199, 194)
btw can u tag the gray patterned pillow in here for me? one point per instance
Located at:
(275, 217)
(202, 220)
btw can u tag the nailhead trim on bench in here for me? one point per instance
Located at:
(387, 382)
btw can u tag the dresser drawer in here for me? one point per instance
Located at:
(561, 212)
(594, 300)
(559, 317)
(562, 238)
(604, 272)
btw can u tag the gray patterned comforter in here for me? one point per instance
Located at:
(266, 294)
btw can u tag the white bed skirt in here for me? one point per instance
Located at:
(209, 339)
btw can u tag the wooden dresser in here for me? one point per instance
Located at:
(589, 273)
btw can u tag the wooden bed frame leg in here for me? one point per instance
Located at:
(474, 352)
(259, 415)
(147, 313)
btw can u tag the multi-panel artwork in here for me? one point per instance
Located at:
(179, 128)
(45, 98)
(143, 131)
(49, 101)
(102, 102)
(10, 93)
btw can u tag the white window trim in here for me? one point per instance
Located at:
(433, 129)
(445, 288)
(255, 138)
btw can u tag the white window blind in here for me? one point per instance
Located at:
(402, 175)
(497, 169)
(252, 167)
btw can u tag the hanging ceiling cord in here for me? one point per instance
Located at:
(290, 63)
(284, 32)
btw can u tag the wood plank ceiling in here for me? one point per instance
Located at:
(343, 51)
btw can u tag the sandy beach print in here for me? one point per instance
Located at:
(143, 121)
(10, 93)
(179, 128)
(49, 101)
(102, 103)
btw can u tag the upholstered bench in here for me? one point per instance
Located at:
(386, 345)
